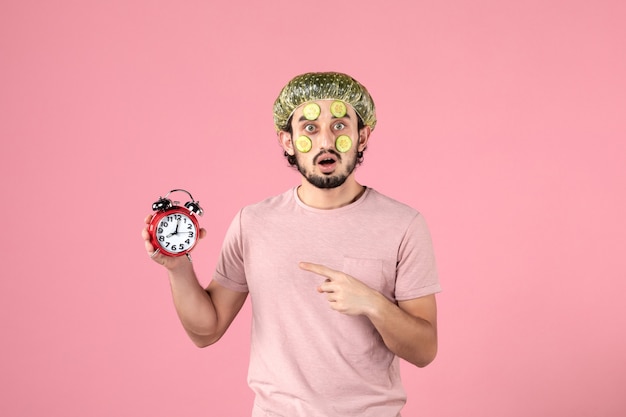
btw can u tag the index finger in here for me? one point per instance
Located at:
(318, 269)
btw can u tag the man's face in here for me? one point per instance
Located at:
(324, 166)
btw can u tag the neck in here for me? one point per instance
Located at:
(330, 198)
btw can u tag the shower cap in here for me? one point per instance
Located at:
(314, 86)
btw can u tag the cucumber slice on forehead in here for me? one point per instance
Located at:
(338, 108)
(343, 143)
(311, 111)
(304, 144)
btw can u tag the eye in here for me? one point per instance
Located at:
(309, 128)
(339, 126)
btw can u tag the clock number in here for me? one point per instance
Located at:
(183, 224)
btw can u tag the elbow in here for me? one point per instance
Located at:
(203, 341)
(424, 362)
(425, 357)
(428, 351)
(201, 344)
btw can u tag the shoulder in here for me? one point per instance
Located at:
(272, 205)
(386, 205)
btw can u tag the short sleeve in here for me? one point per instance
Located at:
(416, 271)
(230, 270)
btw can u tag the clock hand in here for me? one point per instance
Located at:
(176, 230)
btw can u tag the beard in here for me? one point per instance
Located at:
(328, 181)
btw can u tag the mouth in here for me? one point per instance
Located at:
(327, 158)
(326, 162)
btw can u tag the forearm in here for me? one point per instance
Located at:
(412, 338)
(194, 306)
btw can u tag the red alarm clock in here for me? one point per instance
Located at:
(174, 229)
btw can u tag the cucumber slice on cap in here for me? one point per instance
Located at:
(311, 111)
(338, 108)
(343, 143)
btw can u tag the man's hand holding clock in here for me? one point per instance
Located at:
(173, 231)
(169, 262)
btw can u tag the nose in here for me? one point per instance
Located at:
(326, 139)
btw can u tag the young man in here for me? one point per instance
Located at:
(342, 279)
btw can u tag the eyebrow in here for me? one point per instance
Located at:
(303, 119)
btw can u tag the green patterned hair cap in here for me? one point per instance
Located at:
(314, 86)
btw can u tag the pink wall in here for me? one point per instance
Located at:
(502, 121)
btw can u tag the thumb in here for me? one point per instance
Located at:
(322, 288)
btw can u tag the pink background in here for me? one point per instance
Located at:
(502, 121)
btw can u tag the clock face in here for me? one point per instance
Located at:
(176, 233)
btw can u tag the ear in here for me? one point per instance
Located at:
(284, 139)
(364, 136)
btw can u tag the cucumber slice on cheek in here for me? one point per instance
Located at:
(304, 144)
(343, 143)
(311, 111)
